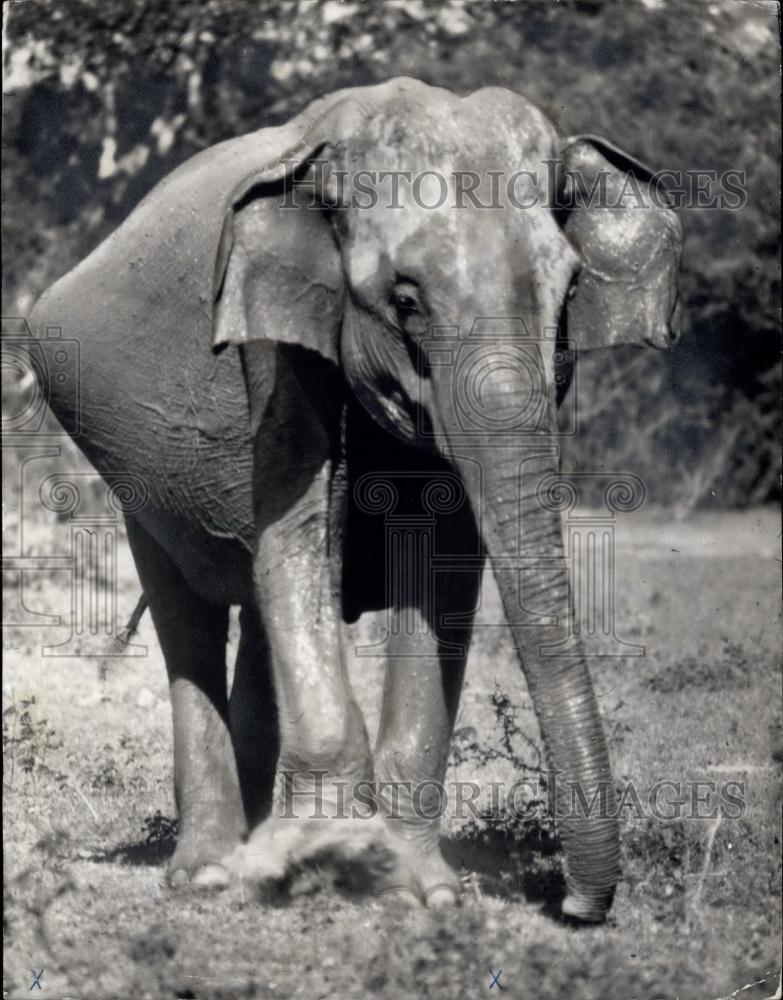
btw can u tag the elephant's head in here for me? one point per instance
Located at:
(443, 316)
(387, 225)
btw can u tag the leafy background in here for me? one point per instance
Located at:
(104, 97)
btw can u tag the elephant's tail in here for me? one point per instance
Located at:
(129, 631)
(121, 640)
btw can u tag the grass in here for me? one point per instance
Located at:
(89, 816)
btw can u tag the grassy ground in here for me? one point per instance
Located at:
(89, 814)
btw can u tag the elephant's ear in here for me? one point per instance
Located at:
(277, 273)
(176, 264)
(629, 240)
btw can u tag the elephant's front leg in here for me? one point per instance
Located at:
(324, 749)
(424, 673)
(322, 732)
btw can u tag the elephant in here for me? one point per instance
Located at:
(275, 352)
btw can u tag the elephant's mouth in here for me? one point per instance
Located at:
(667, 335)
(390, 407)
(662, 341)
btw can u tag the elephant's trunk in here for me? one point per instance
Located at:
(523, 542)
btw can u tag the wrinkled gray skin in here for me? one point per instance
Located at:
(250, 455)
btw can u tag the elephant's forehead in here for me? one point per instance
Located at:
(414, 240)
(419, 128)
(494, 249)
(416, 150)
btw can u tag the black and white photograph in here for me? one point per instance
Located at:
(391, 431)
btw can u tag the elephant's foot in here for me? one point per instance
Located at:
(201, 878)
(411, 811)
(207, 837)
(420, 875)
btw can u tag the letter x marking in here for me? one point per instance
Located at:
(36, 979)
(496, 979)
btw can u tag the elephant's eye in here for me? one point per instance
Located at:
(405, 298)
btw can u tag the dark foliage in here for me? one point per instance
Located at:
(104, 97)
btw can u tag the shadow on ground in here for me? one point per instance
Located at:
(509, 864)
(156, 847)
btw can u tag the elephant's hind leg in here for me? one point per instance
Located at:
(192, 634)
(253, 715)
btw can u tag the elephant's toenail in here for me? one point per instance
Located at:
(441, 896)
(178, 879)
(210, 877)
